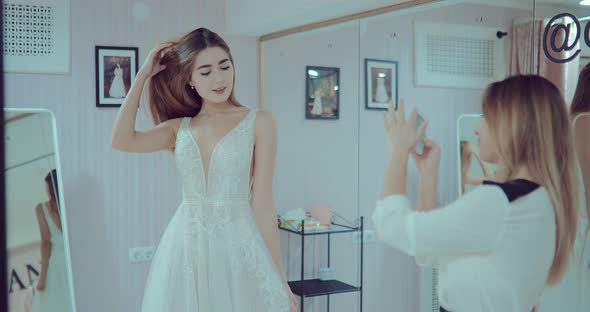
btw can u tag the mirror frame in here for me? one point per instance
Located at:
(63, 214)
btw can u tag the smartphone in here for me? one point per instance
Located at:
(420, 145)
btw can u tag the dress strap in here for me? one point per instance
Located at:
(48, 218)
(252, 116)
(181, 129)
(184, 123)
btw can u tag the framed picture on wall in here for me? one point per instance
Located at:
(380, 84)
(322, 92)
(116, 68)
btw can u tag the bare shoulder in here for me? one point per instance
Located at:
(174, 123)
(264, 121)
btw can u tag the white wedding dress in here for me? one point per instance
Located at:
(117, 89)
(318, 107)
(381, 94)
(212, 257)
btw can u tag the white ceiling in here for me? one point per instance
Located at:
(259, 17)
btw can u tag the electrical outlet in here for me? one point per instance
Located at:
(368, 236)
(141, 254)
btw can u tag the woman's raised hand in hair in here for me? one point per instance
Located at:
(152, 65)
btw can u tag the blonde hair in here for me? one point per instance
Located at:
(530, 116)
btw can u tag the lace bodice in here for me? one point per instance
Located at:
(229, 165)
(212, 256)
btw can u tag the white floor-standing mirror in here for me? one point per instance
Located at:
(40, 277)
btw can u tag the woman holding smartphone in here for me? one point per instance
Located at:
(498, 246)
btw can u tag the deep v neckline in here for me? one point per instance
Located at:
(211, 157)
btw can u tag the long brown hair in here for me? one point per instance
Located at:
(581, 100)
(170, 95)
(529, 114)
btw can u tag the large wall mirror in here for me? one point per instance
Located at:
(37, 245)
(438, 57)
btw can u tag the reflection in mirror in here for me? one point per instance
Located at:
(317, 165)
(574, 290)
(561, 66)
(440, 68)
(581, 264)
(322, 92)
(472, 170)
(38, 257)
(447, 54)
(580, 111)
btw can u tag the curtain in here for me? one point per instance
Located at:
(528, 57)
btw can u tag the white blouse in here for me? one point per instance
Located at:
(491, 254)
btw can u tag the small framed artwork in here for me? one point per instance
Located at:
(380, 84)
(322, 92)
(116, 68)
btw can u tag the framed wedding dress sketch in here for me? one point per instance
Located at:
(380, 84)
(322, 92)
(116, 68)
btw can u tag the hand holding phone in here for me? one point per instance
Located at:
(420, 145)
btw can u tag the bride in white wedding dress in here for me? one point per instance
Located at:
(117, 89)
(220, 251)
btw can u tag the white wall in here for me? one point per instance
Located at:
(117, 200)
(342, 162)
